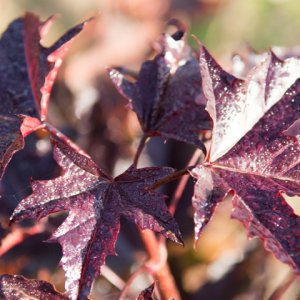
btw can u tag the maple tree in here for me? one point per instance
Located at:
(254, 154)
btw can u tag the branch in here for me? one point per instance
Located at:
(158, 259)
(141, 269)
(158, 265)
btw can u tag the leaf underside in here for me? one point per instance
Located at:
(95, 203)
(254, 153)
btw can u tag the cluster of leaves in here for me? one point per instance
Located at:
(254, 152)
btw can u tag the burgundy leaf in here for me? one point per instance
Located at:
(167, 95)
(253, 153)
(95, 203)
(147, 294)
(11, 139)
(16, 287)
(28, 71)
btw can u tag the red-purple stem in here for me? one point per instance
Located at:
(159, 266)
(182, 183)
(65, 139)
(132, 277)
(174, 176)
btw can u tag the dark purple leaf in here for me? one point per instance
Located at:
(167, 94)
(28, 71)
(147, 294)
(15, 287)
(95, 203)
(11, 139)
(253, 153)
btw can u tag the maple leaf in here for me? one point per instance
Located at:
(16, 287)
(147, 294)
(167, 95)
(28, 71)
(95, 203)
(247, 58)
(254, 153)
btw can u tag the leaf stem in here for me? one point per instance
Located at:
(65, 139)
(140, 148)
(156, 266)
(180, 188)
(132, 277)
(172, 177)
(182, 183)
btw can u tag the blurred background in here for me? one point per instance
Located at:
(224, 264)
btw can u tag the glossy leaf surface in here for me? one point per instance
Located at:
(254, 152)
(167, 94)
(27, 73)
(95, 203)
(15, 287)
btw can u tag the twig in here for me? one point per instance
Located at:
(159, 266)
(158, 259)
(132, 277)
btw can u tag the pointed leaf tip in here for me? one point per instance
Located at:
(251, 155)
(95, 205)
(24, 57)
(147, 294)
(166, 93)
